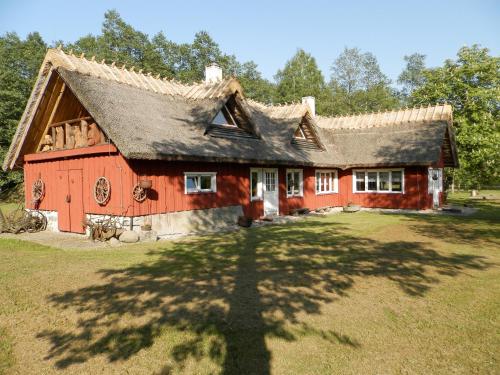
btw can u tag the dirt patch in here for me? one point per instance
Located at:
(58, 239)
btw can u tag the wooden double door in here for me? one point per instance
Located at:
(70, 201)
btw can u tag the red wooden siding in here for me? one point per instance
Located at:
(75, 175)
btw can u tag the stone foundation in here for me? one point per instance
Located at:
(181, 222)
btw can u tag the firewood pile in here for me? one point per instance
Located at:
(20, 220)
(80, 132)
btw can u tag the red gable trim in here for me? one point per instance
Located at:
(100, 149)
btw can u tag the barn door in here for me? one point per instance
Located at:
(70, 201)
(62, 204)
(76, 201)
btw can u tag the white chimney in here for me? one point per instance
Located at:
(213, 73)
(311, 102)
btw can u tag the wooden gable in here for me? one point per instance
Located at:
(61, 122)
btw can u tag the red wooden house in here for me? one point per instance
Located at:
(96, 139)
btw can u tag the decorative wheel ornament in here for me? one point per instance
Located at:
(140, 194)
(38, 190)
(102, 190)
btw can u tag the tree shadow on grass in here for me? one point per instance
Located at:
(480, 228)
(229, 293)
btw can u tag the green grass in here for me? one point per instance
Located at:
(343, 294)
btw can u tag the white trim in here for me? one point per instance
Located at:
(378, 191)
(259, 195)
(301, 185)
(213, 182)
(334, 181)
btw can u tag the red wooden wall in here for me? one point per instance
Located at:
(167, 193)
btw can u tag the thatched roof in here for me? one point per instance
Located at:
(150, 118)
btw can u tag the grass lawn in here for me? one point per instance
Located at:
(364, 293)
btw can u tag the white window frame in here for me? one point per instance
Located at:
(259, 195)
(213, 182)
(334, 181)
(301, 185)
(378, 191)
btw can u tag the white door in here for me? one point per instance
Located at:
(270, 191)
(435, 185)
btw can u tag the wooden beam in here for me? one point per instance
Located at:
(55, 124)
(51, 117)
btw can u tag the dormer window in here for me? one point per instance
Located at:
(224, 117)
(299, 133)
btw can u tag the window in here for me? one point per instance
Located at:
(294, 182)
(397, 181)
(360, 181)
(224, 117)
(200, 182)
(299, 133)
(378, 181)
(326, 182)
(255, 184)
(383, 181)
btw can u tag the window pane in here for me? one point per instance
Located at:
(318, 182)
(326, 182)
(296, 183)
(360, 181)
(191, 183)
(254, 181)
(270, 181)
(289, 179)
(205, 182)
(396, 181)
(383, 178)
(372, 180)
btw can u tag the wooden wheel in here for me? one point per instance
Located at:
(140, 194)
(102, 190)
(38, 190)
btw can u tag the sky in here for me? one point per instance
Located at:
(270, 32)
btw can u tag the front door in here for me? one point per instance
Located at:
(270, 191)
(435, 185)
(70, 201)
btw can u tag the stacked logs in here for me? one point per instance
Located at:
(72, 134)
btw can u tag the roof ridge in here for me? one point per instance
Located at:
(429, 113)
(146, 81)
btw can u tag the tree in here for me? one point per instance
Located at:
(301, 77)
(358, 84)
(412, 76)
(255, 86)
(471, 85)
(20, 61)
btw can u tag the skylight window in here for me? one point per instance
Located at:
(224, 118)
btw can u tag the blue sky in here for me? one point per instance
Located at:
(269, 32)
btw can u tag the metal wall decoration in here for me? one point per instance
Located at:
(102, 190)
(140, 194)
(38, 190)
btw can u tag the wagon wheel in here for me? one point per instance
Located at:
(102, 190)
(139, 193)
(35, 222)
(38, 190)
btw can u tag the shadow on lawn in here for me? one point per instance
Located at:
(230, 292)
(481, 228)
